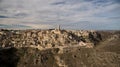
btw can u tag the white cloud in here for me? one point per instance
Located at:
(40, 26)
(35, 12)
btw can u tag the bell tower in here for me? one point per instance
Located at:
(58, 27)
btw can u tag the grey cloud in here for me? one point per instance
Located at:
(13, 26)
(1, 1)
(68, 2)
(21, 15)
(3, 16)
(59, 3)
(86, 25)
(117, 1)
(116, 17)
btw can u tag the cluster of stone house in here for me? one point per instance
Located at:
(44, 38)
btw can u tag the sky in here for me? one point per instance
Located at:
(69, 14)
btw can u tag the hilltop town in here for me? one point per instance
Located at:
(48, 38)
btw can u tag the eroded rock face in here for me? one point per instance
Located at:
(46, 38)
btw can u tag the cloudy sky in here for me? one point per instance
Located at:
(70, 14)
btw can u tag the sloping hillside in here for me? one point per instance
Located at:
(76, 52)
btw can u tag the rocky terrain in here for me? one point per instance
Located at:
(59, 48)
